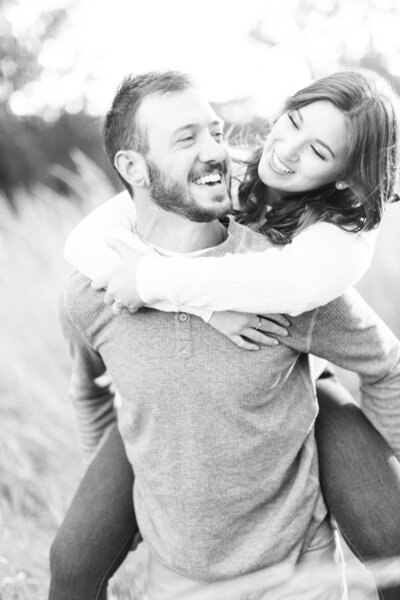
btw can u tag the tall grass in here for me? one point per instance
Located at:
(39, 463)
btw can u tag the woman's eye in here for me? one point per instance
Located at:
(219, 135)
(292, 120)
(321, 156)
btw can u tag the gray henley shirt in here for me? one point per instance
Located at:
(222, 440)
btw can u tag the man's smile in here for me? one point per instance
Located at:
(209, 179)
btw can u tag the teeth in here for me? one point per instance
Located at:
(280, 166)
(212, 178)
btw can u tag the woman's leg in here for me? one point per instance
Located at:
(99, 527)
(360, 477)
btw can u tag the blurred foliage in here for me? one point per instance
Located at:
(30, 146)
(19, 55)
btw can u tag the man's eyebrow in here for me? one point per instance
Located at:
(216, 122)
(316, 139)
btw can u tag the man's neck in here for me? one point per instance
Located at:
(174, 233)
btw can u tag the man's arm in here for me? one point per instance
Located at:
(348, 333)
(90, 389)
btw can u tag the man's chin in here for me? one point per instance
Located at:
(218, 209)
(215, 195)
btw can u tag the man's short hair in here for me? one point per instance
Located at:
(121, 130)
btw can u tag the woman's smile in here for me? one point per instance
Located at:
(278, 165)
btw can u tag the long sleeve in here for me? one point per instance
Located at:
(90, 389)
(87, 251)
(349, 334)
(319, 265)
(86, 247)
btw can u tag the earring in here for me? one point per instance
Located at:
(340, 186)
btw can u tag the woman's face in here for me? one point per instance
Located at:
(305, 148)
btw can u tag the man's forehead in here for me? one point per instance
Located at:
(174, 110)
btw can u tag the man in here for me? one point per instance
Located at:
(221, 441)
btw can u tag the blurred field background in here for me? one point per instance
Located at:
(60, 61)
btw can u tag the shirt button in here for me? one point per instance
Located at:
(183, 317)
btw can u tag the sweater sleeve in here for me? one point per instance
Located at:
(348, 333)
(91, 390)
(319, 265)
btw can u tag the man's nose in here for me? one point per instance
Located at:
(212, 150)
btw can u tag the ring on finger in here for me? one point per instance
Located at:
(258, 324)
(116, 308)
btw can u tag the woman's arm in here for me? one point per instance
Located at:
(86, 248)
(318, 266)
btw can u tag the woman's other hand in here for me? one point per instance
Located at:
(244, 328)
(120, 281)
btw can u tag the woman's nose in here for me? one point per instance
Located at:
(289, 150)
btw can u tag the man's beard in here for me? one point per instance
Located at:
(171, 196)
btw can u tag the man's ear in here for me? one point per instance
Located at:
(132, 167)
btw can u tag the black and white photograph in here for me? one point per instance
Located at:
(199, 307)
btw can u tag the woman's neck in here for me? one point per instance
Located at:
(273, 196)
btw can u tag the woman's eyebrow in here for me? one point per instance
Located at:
(326, 147)
(317, 139)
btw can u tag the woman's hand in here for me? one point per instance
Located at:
(240, 328)
(120, 281)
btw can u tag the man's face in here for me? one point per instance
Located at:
(188, 163)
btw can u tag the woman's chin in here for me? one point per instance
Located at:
(274, 181)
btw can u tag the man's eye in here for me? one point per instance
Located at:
(219, 135)
(291, 119)
(187, 138)
(321, 156)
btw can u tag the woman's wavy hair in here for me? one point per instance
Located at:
(372, 111)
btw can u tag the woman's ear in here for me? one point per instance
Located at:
(341, 185)
(132, 168)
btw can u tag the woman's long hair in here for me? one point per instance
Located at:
(372, 111)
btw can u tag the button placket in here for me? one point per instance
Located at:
(183, 334)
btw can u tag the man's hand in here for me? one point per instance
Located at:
(120, 281)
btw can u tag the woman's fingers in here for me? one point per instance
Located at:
(268, 326)
(281, 319)
(242, 343)
(259, 337)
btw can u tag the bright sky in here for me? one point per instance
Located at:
(104, 40)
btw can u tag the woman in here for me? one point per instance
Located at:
(317, 189)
